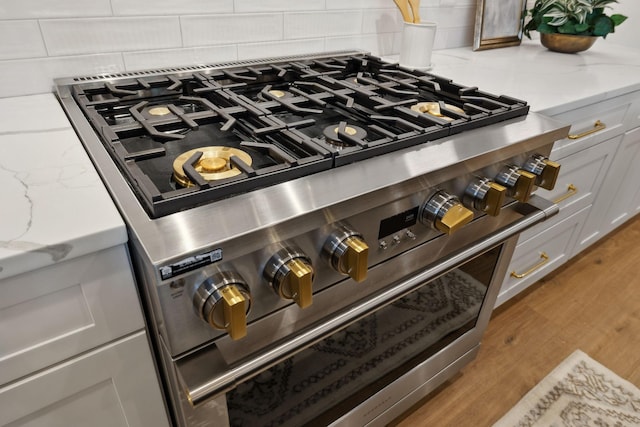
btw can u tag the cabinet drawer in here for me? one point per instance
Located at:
(54, 313)
(581, 176)
(611, 114)
(538, 256)
(112, 386)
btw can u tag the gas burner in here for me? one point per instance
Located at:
(278, 94)
(154, 112)
(214, 164)
(353, 133)
(433, 108)
(302, 116)
(160, 110)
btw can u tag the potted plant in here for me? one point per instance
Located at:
(571, 25)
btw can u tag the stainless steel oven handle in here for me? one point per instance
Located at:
(535, 210)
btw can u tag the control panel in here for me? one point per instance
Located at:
(291, 272)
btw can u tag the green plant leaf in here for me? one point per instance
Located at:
(547, 29)
(581, 28)
(603, 26)
(567, 28)
(618, 19)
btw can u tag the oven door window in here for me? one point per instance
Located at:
(325, 381)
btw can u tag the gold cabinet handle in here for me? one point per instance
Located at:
(572, 190)
(597, 126)
(544, 259)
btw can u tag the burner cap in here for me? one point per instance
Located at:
(275, 93)
(213, 165)
(331, 134)
(278, 93)
(433, 108)
(159, 110)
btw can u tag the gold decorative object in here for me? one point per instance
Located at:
(566, 43)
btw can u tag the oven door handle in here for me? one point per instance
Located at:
(200, 384)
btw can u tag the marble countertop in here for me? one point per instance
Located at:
(550, 82)
(54, 206)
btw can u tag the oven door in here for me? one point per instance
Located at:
(370, 363)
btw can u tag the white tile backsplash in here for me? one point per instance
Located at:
(25, 9)
(319, 24)
(171, 7)
(21, 39)
(44, 39)
(280, 48)
(32, 76)
(450, 17)
(224, 29)
(207, 55)
(242, 6)
(376, 44)
(97, 35)
(359, 4)
(376, 21)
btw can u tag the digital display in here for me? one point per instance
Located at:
(398, 222)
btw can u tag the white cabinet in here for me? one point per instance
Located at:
(73, 349)
(623, 182)
(541, 254)
(113, 386)
(597, 190)
(56, 312)
(73, 346)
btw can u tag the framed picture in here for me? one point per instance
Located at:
(498, 23)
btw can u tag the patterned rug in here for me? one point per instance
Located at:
(579, 392)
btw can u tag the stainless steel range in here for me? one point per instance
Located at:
(316, 239)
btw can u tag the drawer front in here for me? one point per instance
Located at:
(611, 116)
(112, 386)
(538, 256)
(54, 313)
(581, 176)
(625, 182)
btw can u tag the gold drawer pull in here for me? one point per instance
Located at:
(597, 126)
(572, 190)
(545, 259)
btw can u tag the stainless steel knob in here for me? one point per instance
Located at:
(347, 252)
(519, 183)
(545, 170)
(290, 273)
(484, 195)
(445, 213)
(223, 301)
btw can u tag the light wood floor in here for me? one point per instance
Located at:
(592, 303)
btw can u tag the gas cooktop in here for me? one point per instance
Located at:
(187, 137)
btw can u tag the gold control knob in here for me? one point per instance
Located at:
(234, 319)
(290, 273)
(223, 301)
(354, 262)
(348, 253)
(445, 213)
(519, 182)
(545, 170)
(485, 196)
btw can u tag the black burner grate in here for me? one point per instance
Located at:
(279, 114)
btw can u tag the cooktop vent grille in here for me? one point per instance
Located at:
(239, 63)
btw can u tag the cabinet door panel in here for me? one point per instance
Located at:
(540, 255)
(57, 312)
(581, 176)
(625, 180)
(611, 114)
(112, 386)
